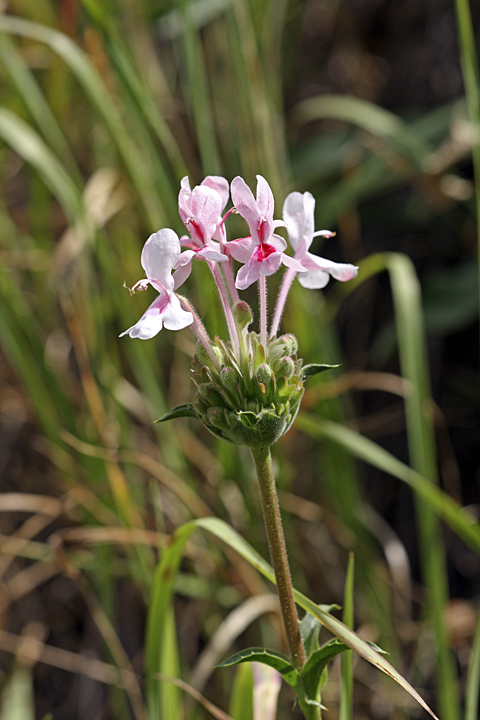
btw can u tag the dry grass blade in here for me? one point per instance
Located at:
(212, 709)
(29, 649)
(233, 625)
(111, 535)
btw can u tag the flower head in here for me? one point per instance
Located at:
(160, 254)
(200, 210)
(298, 214)
(262, 252)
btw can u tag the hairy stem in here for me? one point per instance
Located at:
(288, 278)
(262, 291)
(278, 554)
(232, 328)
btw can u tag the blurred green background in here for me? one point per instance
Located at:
(105, 106)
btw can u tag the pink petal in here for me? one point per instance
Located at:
(242, 198)
(241, 249)
(210, 253)
(278, 242)
(265, 200)
(205, 208)
(247, 275)
(184, 199)
(182, 273)
(220, 185)
(271, 264)
(292, 263)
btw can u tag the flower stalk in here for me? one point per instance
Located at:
(278, 554)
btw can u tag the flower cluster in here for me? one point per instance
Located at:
(249, 388)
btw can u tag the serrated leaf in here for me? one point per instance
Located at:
(275, 660)
(316, 664)
(181, 411)
(313, 369)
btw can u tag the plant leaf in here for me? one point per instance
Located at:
(313, 671)
(275, 660)
(181, 411)
(313, 369)
(310, 627)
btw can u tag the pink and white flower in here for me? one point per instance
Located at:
(262, 252)
(201, 212)
(298, 214)
(160, 255)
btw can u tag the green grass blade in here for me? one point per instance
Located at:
(447, 509)
(17, 699)
(472, 689)
(130, 74)
(137, 166)
(199, 93)
(346, 682)
(369, 117)
(471, 80)
(31, 148)
(157, 637)
(241, 700)
(423, 458)
(35, 101)
(163, 587)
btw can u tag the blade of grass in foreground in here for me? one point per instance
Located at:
(346, 660)
(472, 689)
(163, 588)
(423, 458)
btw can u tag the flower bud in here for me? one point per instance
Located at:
(254, 406)
(243, 314)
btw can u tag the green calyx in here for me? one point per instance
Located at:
(254, 402)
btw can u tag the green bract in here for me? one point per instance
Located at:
(255, 404)
(252, 402)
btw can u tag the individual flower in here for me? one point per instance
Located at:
(160, 255)
(200, 210)
(298, 214)
(262, 252)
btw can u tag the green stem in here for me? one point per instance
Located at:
(278, 554)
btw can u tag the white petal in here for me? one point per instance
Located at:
(313, 279)
(339, 271)
(150, 323)
(298, 213)
(174, 316)
(165, 310)
(182, 273)
(160, 255)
